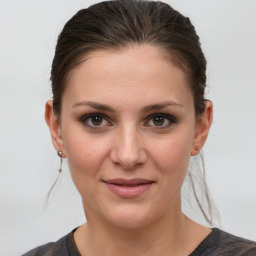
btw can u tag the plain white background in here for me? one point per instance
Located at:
(28, 162)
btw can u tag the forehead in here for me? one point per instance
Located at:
(134, 72)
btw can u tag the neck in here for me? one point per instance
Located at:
(168, 235)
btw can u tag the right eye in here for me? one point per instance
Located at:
(95, 121)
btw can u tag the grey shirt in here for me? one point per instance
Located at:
(217, 243)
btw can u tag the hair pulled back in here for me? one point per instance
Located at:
(120, 23)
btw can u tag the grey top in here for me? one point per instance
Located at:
(217, 243)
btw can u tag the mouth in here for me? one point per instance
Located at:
(128, 188)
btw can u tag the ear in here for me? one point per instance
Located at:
(54, 126)
(202, 128)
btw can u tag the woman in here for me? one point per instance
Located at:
(128, 112)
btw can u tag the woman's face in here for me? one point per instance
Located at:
(128, 129)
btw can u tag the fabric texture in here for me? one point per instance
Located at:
(217, 243)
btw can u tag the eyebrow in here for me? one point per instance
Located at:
(94, 105)
(104, 107)
(161, 106)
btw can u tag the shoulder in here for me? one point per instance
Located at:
(51, 249)
(235, 245)
(219, 242)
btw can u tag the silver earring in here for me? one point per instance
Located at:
(60, 155)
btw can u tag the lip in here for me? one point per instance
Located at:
(128, 188)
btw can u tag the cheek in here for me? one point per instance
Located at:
(171, 158)
(173, 151)
(85, 152)
(86, 157)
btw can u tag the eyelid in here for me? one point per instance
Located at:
(85, 117)
(169, 117)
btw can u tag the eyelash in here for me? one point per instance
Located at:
(85, 119)
(171, 120)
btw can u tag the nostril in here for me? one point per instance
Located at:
(127, 163)
(128, 153)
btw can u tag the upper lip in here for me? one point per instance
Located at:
(124, 182)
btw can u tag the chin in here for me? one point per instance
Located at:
(131, 217)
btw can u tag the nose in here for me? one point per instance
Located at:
(128, 150)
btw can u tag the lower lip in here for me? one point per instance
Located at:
(128, 192)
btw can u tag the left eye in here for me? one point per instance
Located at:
(160, 120)
(95, 121)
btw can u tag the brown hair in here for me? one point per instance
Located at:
(120, 23)
(115, 24)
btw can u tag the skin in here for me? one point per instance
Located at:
(128, 143)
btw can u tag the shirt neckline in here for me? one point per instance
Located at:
(210, 242)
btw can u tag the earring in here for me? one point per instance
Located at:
(60, 155)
